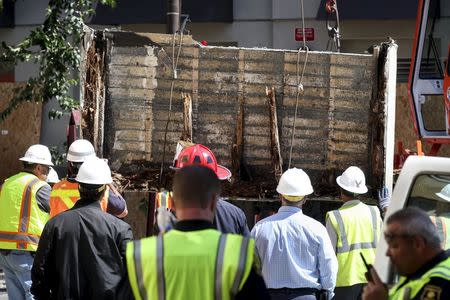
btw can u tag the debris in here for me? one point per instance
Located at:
(187, 117)
(238, 143)
(275, 151)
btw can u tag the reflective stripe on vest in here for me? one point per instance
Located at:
(442, 224)
(219, 265)
(148, 275)
(241, 265)
(65, 194)
(410, 289)
(20, 238)
(163, 199)
(25, 209)
(68, 197)
(138, 268)
(345, 245)
(160, 267)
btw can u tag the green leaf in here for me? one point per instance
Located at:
(58, 55)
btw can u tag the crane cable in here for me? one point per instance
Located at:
(174, 77)
(299, 83)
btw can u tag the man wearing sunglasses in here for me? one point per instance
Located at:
(415, 250)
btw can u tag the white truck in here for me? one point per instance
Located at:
(421, 179)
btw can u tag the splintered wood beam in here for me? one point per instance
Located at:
(275, 149)
(238, 144)
(187, 117)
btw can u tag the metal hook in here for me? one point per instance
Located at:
(333, 31)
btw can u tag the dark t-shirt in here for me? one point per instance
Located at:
(81, 255)
(230, 219)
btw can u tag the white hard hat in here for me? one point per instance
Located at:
(445, 193)
(353, 180)
(94, 171)
(38, 154)
(52, 176)
(294, 182)
(79, 150)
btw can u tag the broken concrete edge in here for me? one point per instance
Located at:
(159, 39)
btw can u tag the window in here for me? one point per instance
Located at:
(433, 56)
(428, 193)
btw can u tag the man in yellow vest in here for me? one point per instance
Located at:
(415, 250)
(65, 193)
(24, 208)
(354, 229)
(194, 260)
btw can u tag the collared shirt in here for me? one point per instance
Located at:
(295, 251)
(230, 219)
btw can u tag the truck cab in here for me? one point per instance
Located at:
(429, 76)
(420, 184)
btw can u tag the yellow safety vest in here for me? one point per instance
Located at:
(164, 199)
(443, 228)
(358, 229)
(21, 220)
(409, 290)
(203, 264)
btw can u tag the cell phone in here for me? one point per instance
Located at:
(368, 267)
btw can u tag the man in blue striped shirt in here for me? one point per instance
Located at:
(297, 258)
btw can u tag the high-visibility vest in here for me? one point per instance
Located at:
(358, 229)
(65, 194)
(410, 289)
(443, 228)
(21, 220)
(203, 264)
(164, 199)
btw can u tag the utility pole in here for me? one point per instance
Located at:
(173, 16)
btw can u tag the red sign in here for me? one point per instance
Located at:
(309, 34)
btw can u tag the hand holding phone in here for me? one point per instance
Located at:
(368, 267)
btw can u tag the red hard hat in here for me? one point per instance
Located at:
(201, 155)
